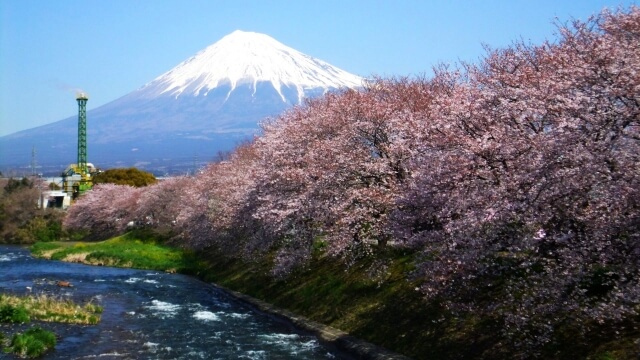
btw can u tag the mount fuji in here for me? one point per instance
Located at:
(205, 105)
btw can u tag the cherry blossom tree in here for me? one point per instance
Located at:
(105, 211)
(330, 170)
(215, 207)
(158, 206)
(530, 183)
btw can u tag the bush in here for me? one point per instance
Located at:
(21, 221)
(15, 185)
(130, 176)
(32, 343)
(41, 229)
(13, 314)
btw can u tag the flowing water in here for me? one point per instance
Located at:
(152, 315)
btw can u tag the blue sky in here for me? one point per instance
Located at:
(48, 49)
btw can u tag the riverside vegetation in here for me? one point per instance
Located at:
(490, 211)
(140, 250)
(360, 301)
(20, 219)
(35, 341)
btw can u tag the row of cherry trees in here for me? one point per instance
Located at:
(516, 176)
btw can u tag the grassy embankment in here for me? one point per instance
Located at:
(133, 250)
(35, 341)
(373, 300)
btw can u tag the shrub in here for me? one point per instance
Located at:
(32, 343)
(13, 314)
(130, 176)
(41, 229)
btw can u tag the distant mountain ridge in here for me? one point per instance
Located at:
(184, 117)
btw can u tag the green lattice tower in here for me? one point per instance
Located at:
(82, 133)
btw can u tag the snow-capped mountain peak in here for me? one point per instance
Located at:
(249, 58)
(209, 103)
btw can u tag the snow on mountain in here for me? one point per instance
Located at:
(206, 104)
(248, 58)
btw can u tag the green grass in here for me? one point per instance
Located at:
(23, 309)
(387, 309)
(13, 314)
(36, 341)
(32, 343)
(132, 250)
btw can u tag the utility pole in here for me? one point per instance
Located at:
(195, 164)
(33, 161)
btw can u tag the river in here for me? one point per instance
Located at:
(152, 315)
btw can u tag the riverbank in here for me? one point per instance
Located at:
(372, 301)
(153, 315)
(137, 251)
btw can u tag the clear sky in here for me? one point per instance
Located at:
(109, 48)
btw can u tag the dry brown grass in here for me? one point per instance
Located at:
(47, 254)
(78, 258)
(48, 308)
